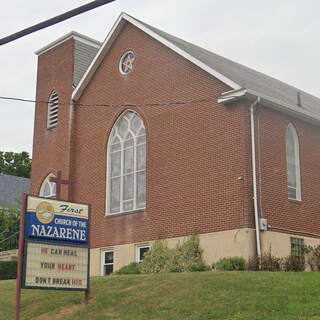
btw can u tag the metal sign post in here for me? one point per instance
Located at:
(20, 254)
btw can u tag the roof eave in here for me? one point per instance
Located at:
(112, 36)
(244, 93)
(72, 34)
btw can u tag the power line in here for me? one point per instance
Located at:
(54, 20)
(168, 103)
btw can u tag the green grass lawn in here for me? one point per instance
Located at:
(199, 295)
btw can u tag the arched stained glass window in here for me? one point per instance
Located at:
(293, 163)
(48, 189)
(126, 167)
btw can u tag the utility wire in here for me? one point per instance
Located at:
(170, 103)
(54, 20)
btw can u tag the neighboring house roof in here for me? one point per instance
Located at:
(12, 187)
(235, 75)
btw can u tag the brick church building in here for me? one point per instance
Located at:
(163, 139)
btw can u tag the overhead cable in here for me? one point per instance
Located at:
(169, 103)
(54, 20)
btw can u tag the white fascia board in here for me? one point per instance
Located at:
(54, 43)
(233, 95)
(98, 58)
(113, 34)
(86, 40)
(181, 52)
(77, 36)
(298, 112)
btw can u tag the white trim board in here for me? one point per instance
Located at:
(73, 34)
(112, 36)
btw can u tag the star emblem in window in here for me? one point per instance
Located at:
(127, 62)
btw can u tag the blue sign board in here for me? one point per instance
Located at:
(57, 220)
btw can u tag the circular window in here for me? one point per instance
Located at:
(127, 62)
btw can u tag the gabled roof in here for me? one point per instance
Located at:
(12, 187)
(235, 75)
(72, 34)
(85, 49)
(84, 53)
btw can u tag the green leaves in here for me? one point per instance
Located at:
(186, 257)
(15, 164)
(9, 221)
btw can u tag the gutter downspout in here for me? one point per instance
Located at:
(254, 177)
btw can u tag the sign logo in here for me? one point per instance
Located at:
(45, 212)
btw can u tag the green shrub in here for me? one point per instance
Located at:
(270, 262)
(231, 264)
(185, 257)
(201, 266)
(313, 257)
(8, 270)
(293, 263)
(132, 268)
(156, 259)
(253, 264)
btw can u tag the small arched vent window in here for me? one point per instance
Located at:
(53, 104)
(48, 189)
(293, 163)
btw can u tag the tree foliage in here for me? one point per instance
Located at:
(9, 221)
(15, 164)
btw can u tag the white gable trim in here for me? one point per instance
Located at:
(112, 36)
(77, 36)
(181, 52)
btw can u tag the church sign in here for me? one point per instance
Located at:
(56, 245)
(57, 220)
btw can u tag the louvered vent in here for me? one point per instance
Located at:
(53, 110)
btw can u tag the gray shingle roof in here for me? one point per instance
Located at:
(11, 187)
(244, 76)
(83, 56)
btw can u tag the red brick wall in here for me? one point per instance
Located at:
(276, 207)
(50, 147)
(195, 152)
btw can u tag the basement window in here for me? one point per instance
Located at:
(107, 262)
(52, 119)
(297, 247)
(141, 250)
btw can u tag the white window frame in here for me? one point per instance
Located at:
(135, 171)
(138, 248)
(53, 110)
(102, 264)
(294, 133)
(51, 186)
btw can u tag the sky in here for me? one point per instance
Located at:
(277, 37)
